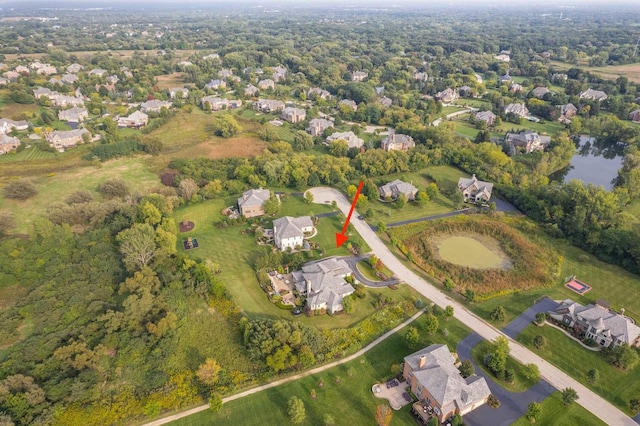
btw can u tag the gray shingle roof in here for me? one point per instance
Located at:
(254, 197)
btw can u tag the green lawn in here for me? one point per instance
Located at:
(555, 413)
(476, 103)
(445, 176)
(366, 270)
(615, 385)
(520, 382)
(350, 400)
(33, 153)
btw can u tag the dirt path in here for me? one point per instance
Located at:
(316, 370)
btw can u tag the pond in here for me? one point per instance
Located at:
(593, 163)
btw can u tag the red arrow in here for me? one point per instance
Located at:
(341, 238)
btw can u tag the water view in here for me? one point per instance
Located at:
(593, 163)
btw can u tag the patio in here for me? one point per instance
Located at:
(394, 392)
(283, 286)
(423, 411)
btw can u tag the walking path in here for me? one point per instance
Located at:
(454, 114)
(597, 405)
(316, 370)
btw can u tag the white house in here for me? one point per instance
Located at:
(323, 284)
(289, 232)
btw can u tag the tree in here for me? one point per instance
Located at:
(302, 141)
(152, 145)
(433, 421)
(469, 295)
(188, 188)
(226, 126)
(308, 197)
(20, 189)
(412, 337)
(498, 314)
(383, 415)
(539, 341)
(422, 198)
(215, 402)
(569, 396)
(497, 362)
(432, 190)
(382, 227)
(431, 324)
(329, 420)
(532, 372)
(347, 304)
(297, 413)
(541, 317)
(634, 405)
(7, 222)
(493, 401)
(593, 375)
(272, 206)
(466, 368)
(449, 284)
(457, 199)
(623, 356)
(339, 148)
(534, 412)
(448, 311)
(401, 201)
(208, 372)
(138, 245)
(114, 188)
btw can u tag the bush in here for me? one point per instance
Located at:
(114, 188)
(498, 314)
(541, 317)
(20, 189)
(113, 150)
(493, 401)
(539, 341)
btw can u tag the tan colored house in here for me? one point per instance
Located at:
(529, 140)
(251, 90)
(635, 116)
(215, 84)
(359, 76)
(268, 105)
(593, 95)
(352, 140)
(487, 116)
(518, 109)
(266, 84)
(475, 190)
(73, 115)
(135, 120)
(397, 142)
(348, 102)
(173, 92)
(293, 115)
(8, 143)
(317, 126)
(251, 204)
(436, 382)
(396, 188)
(318, 93)
(154, 105)
(447, 95)
(62, 139)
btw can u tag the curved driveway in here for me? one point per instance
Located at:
(597, 405)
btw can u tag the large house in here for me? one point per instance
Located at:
(135, 120)
(251, 90)
(215, 84)
(539, 92)
(475, 190)
(174, 91)
(518, 109)
(279, 73)
(567, 111)
(317, 126)
(487, 116)
(436, 382)
(529, 140)
(293, 115)
(74, 68)
(348, 102)
(266, 84)
(594, 95)
(420, 76)
(318, 93)
(251, 204)
(635, 116)
(397, 142)
(596, 321)
(8, 143)
(268, 105)
(216, 104)
(61, 139)
(154, 105)
(7, 125)
(289, 232)
(323, 284)
(396, 188)
(447, 95)
(73, 115)
(350, 138)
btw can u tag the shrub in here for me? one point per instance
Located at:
(569, 395)
(466, 368)
(114, 188)
(539, 341)
(20, 189)
(498, 314)
(593, 375)
(113, 150)
(493, 401)
(541, 317)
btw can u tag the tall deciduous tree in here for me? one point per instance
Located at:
(296, 410)
(383, 415)
(226, 126)
(188, 188)
(138, 245)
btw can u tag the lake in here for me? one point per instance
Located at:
(593, 163)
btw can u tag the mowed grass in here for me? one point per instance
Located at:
(18, 111)
(236, 253)
(615, 385)
(555, 413)
(350, 401)
(55, 188)
(520, 382)
(33, 153)
(473, 251)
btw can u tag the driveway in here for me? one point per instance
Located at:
(512, 405)
(352, 261)
(424, 219)
(516, 326)
(504, 206)
(595, 404)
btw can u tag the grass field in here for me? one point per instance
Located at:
(472, 250)
(172, 80)
(610, 72)
(520, 382)
(56, 187)
(366, 270)
(350, 400)
(33, 153)
(615, 385)
(18, 111)
(555, 413)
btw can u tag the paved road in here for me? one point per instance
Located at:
(560, 380)
(352, 261)
(316, 370)
(512, 405)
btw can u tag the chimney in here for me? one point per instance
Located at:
(308, 286)
(621, 311)
(422, 361)
(473, 176)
